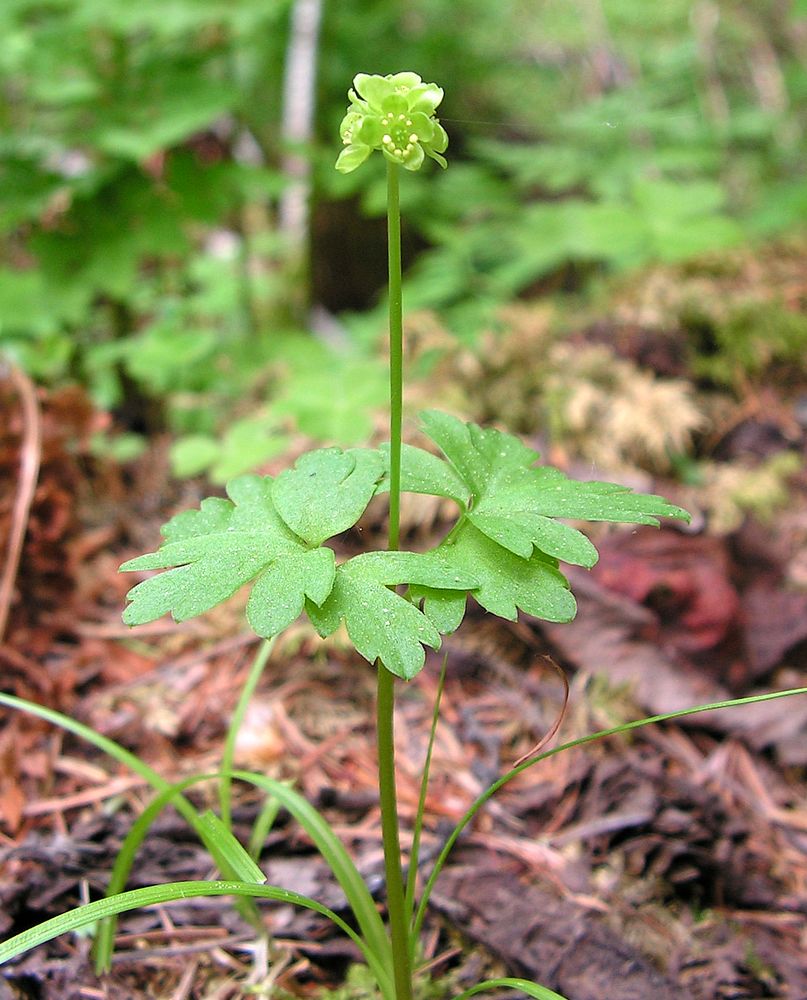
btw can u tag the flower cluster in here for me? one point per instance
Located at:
(395, 114)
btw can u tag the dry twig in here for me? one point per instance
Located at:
(30, 453)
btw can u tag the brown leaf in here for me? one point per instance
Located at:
(684, 578)
(12, 802)
(619, 639)
(774, 621)
(552, 940)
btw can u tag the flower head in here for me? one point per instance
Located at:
(395, 114)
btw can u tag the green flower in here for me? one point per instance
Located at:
(395, 114)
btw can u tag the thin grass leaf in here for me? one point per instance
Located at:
(522, 985)
(581, 741)
(339, 861)
(245, 907)
(155, 895)
(110, 747)
(328, 844)
(218, 836)
(264, 822)
(330, 847)
(237, 720)
(104, 939)
(414, 854)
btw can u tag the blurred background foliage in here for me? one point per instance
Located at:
(145, 158)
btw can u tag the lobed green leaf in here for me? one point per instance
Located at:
(212, 552)
(504, 549)
(558, 496)
(513, 503)
(445, 608)
(507, 583)
(280, 593)
(327, 491)
(422, 472)
(382, 624)
(476, 452)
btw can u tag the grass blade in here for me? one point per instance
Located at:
(330, 847)
(264, 822)
(581, 741)
(134, 763)
(104, 940)
(153, 895)
(522, 985)
(218, 837)
(414, 854)
(110, 747)
(334, 853)
(327, 843)
(228, 753)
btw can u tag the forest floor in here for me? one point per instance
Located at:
(669, 864)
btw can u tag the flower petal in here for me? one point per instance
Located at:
(425, 98)
(352, 156)
(393, 113)
(414, 158)
(395, 104)
(373, 89)
(370, 131)
(422, 126)
(407, 81)
(439, 140)
(437, 157)
(348, 125)
(356, 102)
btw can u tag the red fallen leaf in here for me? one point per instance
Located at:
(774, 622)
(614, 637)
(683, 578)
(617, 638)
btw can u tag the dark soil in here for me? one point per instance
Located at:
(669, 864)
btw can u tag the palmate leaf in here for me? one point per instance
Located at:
(514, 503)
(271, 530)
(220, 547)
(327, 491)
(381, 624)
(422, 472)
(504, 548)
(507, 583)
(280, 592)
(508, 537)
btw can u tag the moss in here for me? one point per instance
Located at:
(748, 343)
(731, 491)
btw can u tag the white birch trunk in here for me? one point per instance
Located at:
(298, 122)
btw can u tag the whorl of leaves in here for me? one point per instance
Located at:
(504, 549)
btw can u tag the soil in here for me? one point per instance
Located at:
(672, 863)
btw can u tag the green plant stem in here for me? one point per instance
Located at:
(414, 853)
(385, 707)
(396, 908)
(228, 754)
(395, 352)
